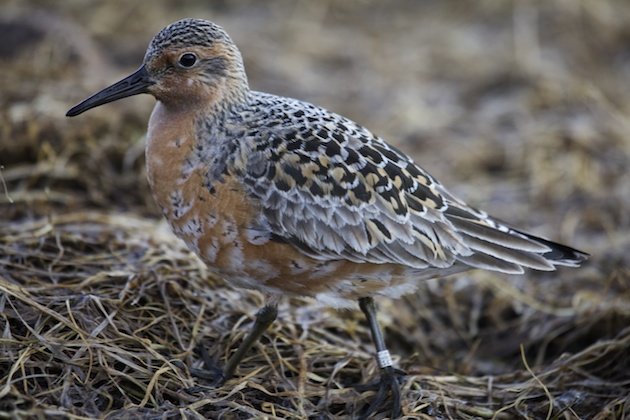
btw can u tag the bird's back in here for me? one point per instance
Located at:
(320, 206)
(334, 190)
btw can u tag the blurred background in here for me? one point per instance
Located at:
(519, 108)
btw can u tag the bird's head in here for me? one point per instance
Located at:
(191, 62)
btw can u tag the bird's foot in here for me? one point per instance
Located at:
(389, 382)
(217, 375)
(212, 372)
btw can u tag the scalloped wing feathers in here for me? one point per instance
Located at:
(335, 191)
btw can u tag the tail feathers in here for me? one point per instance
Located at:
(498, 247)
(488, 262)
(522, 258)
(497, 234)
(560, 254)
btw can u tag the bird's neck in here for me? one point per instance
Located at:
(183, 143)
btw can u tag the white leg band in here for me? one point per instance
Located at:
(384, 359)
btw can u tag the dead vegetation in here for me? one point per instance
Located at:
(521, 110)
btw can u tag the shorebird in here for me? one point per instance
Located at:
(288, 198)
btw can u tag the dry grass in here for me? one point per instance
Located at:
(520, 110)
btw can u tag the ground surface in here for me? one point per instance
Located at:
(522, 110)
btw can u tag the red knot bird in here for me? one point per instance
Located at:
(288, 198)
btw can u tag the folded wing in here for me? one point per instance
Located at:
(335, 191)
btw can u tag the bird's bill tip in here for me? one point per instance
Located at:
(134, 84)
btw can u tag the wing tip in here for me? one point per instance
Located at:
(560, 254)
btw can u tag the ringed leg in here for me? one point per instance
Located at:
(389, 375)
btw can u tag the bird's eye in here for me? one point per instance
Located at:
(187, 60)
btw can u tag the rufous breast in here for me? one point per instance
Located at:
(221, 224)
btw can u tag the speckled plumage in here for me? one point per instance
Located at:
(286, 197)
(318, 205)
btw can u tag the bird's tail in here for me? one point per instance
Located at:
(497, 246)
(559, 254)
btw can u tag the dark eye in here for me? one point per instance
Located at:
(187, 60)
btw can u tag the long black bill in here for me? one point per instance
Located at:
(138, 82)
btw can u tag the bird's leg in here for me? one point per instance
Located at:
(389, 375)
(264, 318)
